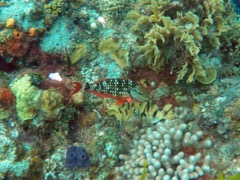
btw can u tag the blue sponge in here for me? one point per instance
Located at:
(77, 157)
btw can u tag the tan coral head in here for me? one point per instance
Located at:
(10, 23)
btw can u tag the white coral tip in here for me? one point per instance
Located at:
(102, 21)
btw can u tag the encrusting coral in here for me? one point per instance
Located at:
(171, 27)
(51, 102)
(17, 43)
(27, 97)
(112, 10)
(54, 8)
(79, 52)
(112, 47)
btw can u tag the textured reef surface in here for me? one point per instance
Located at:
(120, 89)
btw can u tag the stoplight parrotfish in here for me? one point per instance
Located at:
(122, 90)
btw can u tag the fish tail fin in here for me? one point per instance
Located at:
(78, 87)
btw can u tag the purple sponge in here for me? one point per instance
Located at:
(77, 157)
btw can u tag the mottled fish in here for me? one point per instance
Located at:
(122, 90)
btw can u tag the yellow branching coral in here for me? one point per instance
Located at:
(140, 109)
(152, 54)
(183, 30)
(214, 10)
(197, 70)
(187, 28)
(122, 114)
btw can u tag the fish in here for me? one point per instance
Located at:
(68, 60)
(122, 90)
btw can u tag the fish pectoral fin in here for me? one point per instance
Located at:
(78, 87)
(129, 99)
(118, 103)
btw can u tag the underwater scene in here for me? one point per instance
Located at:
(119, 89)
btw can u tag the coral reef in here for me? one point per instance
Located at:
(53, 10)
(183, 57)
(17, 46)
(69, 113)
(78, 98)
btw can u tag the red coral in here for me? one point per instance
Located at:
(18, 45)
(6, 97)
(17, 48)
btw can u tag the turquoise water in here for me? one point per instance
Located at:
(119, 89)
